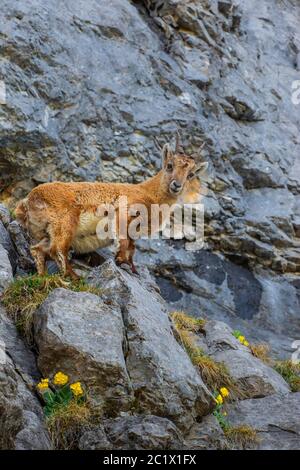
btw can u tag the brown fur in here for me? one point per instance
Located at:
(59, 215)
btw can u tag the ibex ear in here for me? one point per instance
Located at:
(167, 153)
(201, 168)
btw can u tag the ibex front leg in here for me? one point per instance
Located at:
(126, 250)
(125, 254)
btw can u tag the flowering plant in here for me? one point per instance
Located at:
(238, 335)
(219, 413)
(59, 392)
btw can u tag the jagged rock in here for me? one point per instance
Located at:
(6, 274)
(79, 334)
(134, 433)
(22, 424)
(164, 381)
(276, 420)
(4, 215)
(6, 242)
(254, 377)
(206, 284)
(207, 435)
(21, 243)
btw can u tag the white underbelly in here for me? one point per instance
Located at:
(89, 243)
(86, 239)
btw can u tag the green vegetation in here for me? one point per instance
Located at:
(241, 437)
(290, 371)
(214, 374)
(26, 294)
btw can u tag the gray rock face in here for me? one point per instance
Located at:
(276, 420)
(263, 306)
(133, 433)
(21, 417)
(162, 376)
(82, 336)
(89, 85)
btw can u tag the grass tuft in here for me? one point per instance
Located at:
(241, 437)
(262, 352)
(290, 372)
(214, 374)
(183, 321)
(26, 294)
(66, 424)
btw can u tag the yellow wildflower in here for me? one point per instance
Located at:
(224, 392)
(245, 343)
(76, 389)
(44, 383)
(219, 399)
(60, 379)
(224, 414)
(241, 339)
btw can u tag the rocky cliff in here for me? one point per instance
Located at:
(86, 86)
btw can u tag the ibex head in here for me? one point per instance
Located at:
(179, 168)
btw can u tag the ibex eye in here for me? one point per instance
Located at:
(169, 166)
(191, 175)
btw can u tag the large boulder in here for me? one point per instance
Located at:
(164, 381)
(22, 425)
(79, 334)
(133, 433)
(276, 420)
(255, 378)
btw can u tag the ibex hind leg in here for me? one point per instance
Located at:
(39, 253)
(61, 240)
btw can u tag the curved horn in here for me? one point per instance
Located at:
(159, 147)
(178, 146)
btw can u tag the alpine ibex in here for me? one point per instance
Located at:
(60, 216)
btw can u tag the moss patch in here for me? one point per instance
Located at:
(26, 294)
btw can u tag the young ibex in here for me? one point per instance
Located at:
(60, 216)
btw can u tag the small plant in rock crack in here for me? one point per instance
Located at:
(238, 437)
(66, 409)
(219, 411)
(59, 393)
(238, 335)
